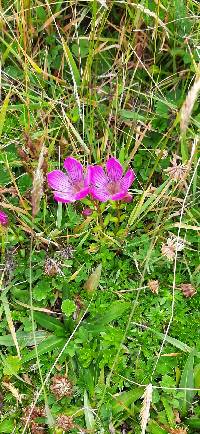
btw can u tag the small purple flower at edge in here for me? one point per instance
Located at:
(111, 185)
(3, 218)
(87, 212)
(73, 185)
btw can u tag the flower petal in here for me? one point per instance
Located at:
(87, 179)
(97, 176)
(59, 181)
(99, 194)
(82, 193)
(127, 179)
(114, 169)
(63, 197)
(119, 196)
(74, 169)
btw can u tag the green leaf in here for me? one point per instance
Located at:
(81, 49)
(68, 307)
(123, 400)
(168, 410)
(197, 377)
(115, 311)
(7, 426)
(175, 342)
(89, 417)
(50, 344)
(49, 323)
(24, 339)
(194, 423)
(12, 365)
(3, 112)
(154, 428)
(187, 381)
(41, 290)
(145, 206)
(10, 321)
(72, 64)
(128, 114)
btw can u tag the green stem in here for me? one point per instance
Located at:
(118, 213)
(99, 213)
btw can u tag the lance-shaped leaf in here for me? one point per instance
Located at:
(93, 281)
(187, 382)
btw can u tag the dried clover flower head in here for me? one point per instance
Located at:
(178, 430)
(30, 415)
(67, 252)
(52, 267)
(188, 290)
(154, 286)
(37, 429)
(172, 245)
(64, 422)
(36, 412)
(161, 153)
(61, 386)
(177, 172)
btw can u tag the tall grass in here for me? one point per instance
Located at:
(92, 79)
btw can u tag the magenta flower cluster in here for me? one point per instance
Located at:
(3, 218)
(102, 185)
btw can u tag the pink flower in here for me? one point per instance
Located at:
(71, 186)
(3, 218)
(111, 185)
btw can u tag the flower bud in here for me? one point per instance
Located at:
(87, 212)
(128, 198)
(3, 219)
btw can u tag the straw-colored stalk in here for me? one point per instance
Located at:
(145, 411)
(187, 107)
(38, 180)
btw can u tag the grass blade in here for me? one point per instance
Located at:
(3, 112)
(187, 381)
(10, 322)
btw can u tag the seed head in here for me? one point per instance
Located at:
(188, 290)
(154, 286)
(37, 412)
(161, 153)
(187, 107)
(177, 172)
(172, 245)
(51, 267)
(30, 416)
(145, 410)
(36, 428)
(67, 252)
(64, 422)
(61, 386)
(178, 430)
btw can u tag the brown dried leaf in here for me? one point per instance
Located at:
(93, 281)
